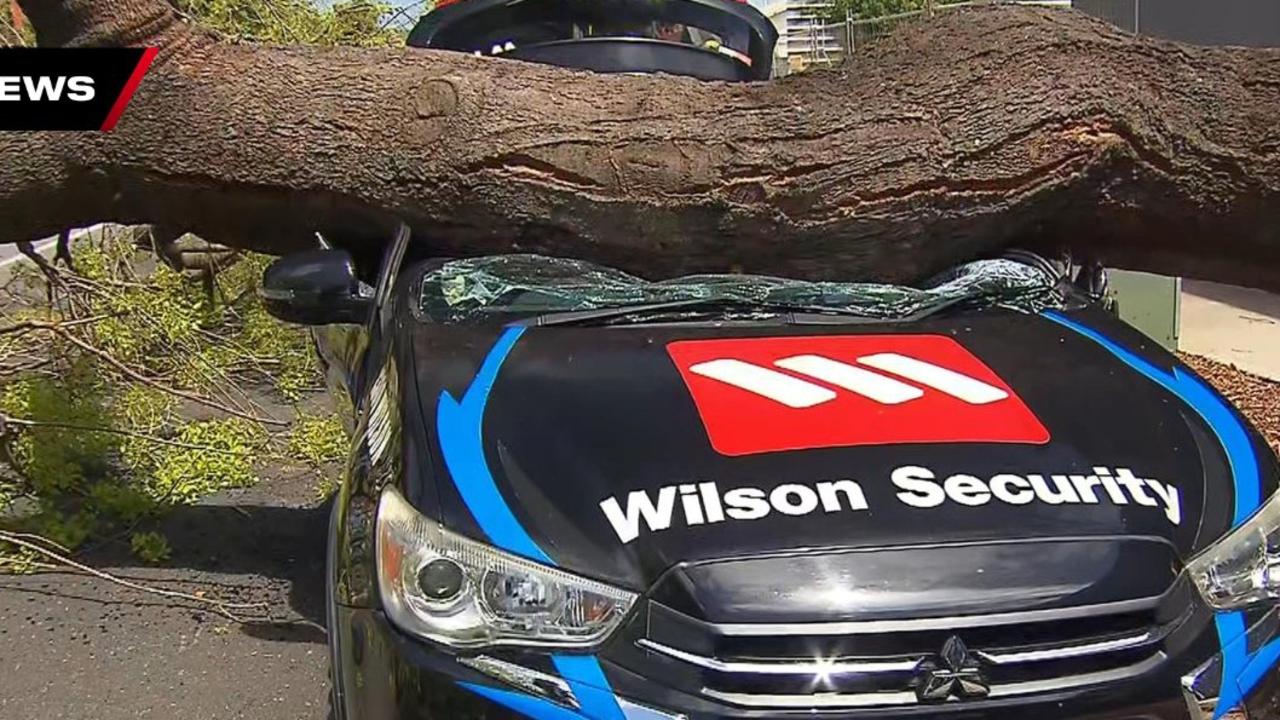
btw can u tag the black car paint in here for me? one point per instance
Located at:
(612, 416)
(577, 412)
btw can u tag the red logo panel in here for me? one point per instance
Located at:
(758, 395)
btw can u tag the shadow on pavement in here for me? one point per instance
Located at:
(80, 647)
(265, 547)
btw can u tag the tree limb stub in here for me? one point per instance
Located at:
(960, 135)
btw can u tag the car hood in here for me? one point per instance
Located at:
(730, 461)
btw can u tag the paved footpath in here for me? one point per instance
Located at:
(1233, 325)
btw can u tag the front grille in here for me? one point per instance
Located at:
(885, 663)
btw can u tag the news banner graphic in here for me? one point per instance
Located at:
(69, 88)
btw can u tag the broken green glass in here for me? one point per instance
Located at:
(508, 287)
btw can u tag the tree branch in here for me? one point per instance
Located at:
(222, 607)
(959, 136)
(150, 382)
(22, 422)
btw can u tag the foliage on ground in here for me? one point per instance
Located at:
(151, 547)
(127, 389)
(321, 442)
(318, 440)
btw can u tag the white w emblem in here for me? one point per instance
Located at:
(796, 392)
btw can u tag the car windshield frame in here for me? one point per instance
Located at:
(536, 290)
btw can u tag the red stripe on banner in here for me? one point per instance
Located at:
(144, 64)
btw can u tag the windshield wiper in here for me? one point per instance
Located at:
(582, 317)
(812, 318)
(796, 314)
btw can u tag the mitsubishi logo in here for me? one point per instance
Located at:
(954, 674)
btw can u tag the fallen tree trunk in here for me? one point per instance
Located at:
(977, 130)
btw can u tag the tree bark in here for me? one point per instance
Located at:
(976, 130)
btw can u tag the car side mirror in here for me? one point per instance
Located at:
(316, 287)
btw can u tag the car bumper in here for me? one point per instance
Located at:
(382, 674)
(1240, 682)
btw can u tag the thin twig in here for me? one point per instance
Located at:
(159, 386)
(222, 383)
(222, 607)
(27, 367)
(40, 538)
(101, 284)
(115, 431)
(25, 325)
(27, 564)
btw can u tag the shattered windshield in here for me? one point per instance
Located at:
(511, 287)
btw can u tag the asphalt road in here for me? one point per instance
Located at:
(78, 647)
(9, 252)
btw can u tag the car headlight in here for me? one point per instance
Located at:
(462, 593)
(1243, 567)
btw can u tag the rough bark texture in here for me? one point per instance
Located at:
(958, 136)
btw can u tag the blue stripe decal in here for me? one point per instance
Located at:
(1240, 670)
(527, 705)
(461, 429)
(1238, 664)
(460, 425)
(1208, 404)
(586, 679)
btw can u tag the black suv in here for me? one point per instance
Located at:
(577, 494)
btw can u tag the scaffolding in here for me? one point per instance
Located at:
(810, 40)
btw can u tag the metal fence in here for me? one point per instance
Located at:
(406, 14)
